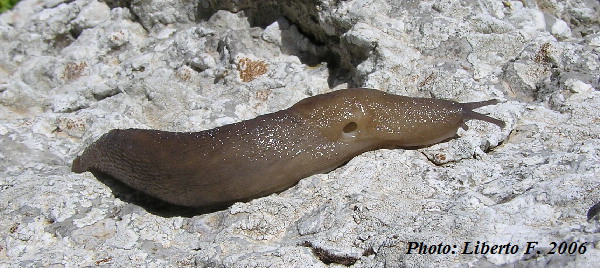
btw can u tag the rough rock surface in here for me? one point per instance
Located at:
(72, 70)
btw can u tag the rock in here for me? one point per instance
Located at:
(72, 70)
(561, 30)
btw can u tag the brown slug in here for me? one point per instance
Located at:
(272, 152)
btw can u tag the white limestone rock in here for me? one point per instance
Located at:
(72, 70)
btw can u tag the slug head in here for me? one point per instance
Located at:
(373, 118)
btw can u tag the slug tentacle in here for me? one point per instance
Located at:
(272, 152)
(469, 114)
(478, 104)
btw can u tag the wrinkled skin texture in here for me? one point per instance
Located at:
(272, 152)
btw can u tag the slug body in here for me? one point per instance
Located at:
(272, 152)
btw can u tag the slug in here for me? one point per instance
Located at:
(272, 152)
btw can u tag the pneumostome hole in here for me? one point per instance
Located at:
(352, 126)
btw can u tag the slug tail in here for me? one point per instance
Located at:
(83, 162)
(77, 166)
(92, 155)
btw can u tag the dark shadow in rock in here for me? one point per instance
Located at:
(126, 4)
(302, 35)
(152, 204)
(259, 13)
(62, 40)
(594, 212)
(118, 3)
(327, 257)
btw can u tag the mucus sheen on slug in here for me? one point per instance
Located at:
(272, 152)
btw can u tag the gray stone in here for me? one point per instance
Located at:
(72, 70)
